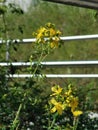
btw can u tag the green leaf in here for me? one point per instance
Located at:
(3, 9)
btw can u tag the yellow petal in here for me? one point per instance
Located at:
(52, 32)
(53, 101)
(60, 107)
(56, 89)
(77, 113)
(74, 103)
(60, 111)
(53, 110)
(58, 32)
(53, 89)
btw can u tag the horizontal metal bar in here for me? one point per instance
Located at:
(31, 40)
(55, 76)
(91, 4)
(80, 37)
(67, 38)
(52, 63)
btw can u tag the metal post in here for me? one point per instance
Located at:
(7, 51)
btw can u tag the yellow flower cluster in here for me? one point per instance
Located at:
(63, 99)
(48, 35)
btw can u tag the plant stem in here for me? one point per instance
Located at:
(41, 58)
(53, 122)
(14, 124)
(6, 37)
(75, 123)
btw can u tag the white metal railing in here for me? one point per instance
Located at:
(55, 75)
(52, 63)
(57, 63)
(67, 38)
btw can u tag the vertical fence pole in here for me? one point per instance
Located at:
(7, 51)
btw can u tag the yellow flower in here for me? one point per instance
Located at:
(54, 43)
(41, 32)
(50, 25)
(68, 93)
(58, 32)
(74, 103)
(48, 35)
(52, 32)
(69, 100)
(56, 89)
(77, 113)
(58, 106)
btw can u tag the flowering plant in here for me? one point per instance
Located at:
(48, 35)
(46, 39)
(63, 100)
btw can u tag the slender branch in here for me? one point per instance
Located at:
(41, 58)
(75, 123)
(53, 122)
(14, 124)
(6, 37)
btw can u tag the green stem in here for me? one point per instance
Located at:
(75, 123)
(37, 64)
(14, 124)
(6, 37)
(53, 122)
(41, 58)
